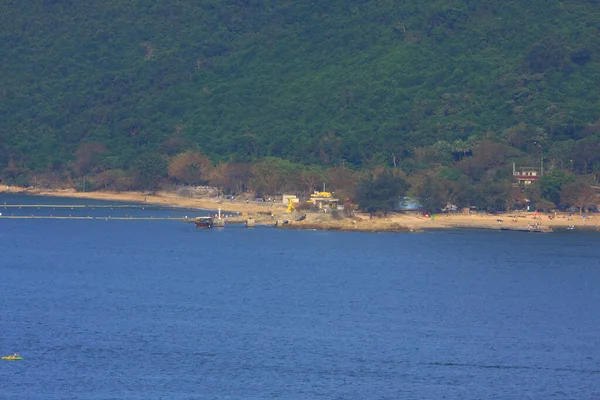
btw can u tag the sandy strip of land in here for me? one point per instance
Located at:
(159, 198)
(361, 222)
(403, 222)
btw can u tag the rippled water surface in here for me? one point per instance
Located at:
(160, 310)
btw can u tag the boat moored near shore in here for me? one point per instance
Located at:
(204, 222)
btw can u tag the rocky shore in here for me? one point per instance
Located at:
(342, 226)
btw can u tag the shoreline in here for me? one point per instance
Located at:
(160, 198)
(514, 221)
(416, 223)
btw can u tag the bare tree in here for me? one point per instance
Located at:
(173, 145)
(88, 155)
(266, 178)
(238, 176)
(579, 194)
(190, 167)
(343, 181)
(149, 50)
(13, 171)
(310, 180)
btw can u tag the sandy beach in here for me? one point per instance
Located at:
(411, 223)
(159, 198)
(361, 222)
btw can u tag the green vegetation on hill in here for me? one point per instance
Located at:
(448, 91)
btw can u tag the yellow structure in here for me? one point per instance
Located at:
(290, 206)
(290, 200)
(323, 200)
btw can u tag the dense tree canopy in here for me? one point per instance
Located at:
(282, 95)
(380, 192)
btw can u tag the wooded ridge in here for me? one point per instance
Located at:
(444, 95)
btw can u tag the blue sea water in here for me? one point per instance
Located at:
(160, 310)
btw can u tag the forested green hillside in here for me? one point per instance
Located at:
(363, 83)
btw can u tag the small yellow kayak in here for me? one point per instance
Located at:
(14, 357)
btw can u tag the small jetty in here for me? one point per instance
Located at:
(212, 222)
(219, 220)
